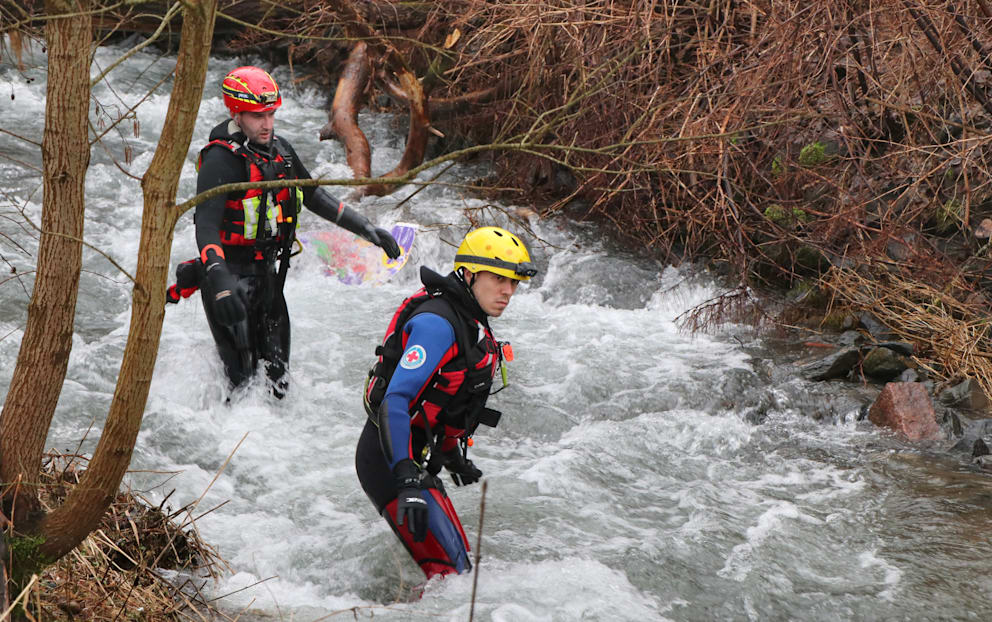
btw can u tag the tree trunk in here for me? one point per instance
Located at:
(68, 525)
(44, 354)
(416, 137)
(348, 100)
(344, 110)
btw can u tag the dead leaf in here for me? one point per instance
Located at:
(452, 39)
(984, 229)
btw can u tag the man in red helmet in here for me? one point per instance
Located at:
(245, 237)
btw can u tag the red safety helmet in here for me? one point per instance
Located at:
(250, 89)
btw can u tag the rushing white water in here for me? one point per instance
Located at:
(623, 482)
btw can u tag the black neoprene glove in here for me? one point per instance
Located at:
(327, 206)
(463, 471)
(228, 306)
(383, 239)
(411, 507)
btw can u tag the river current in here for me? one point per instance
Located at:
(625, 482)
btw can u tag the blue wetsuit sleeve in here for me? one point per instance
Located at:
(430, 336)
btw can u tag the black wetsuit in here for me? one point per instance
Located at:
(265, 334)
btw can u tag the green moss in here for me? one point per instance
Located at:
(778, 166)
(25, 559)
(775, 213)
(813, 154)
(786, 217)
(808, 294)
(948, 215)
(800, 289)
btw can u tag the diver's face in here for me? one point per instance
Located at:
(493, 291)
(257, 126)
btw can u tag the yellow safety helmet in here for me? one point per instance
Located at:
(496, 250)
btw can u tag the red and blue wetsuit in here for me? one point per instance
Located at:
(433, 400)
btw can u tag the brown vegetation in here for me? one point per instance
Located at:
(840, 148)
(786, 141)
(116, 573)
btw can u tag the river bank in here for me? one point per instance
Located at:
(629, 479)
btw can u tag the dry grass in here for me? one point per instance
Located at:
(782, 140)
(953, 334)
(116, 573)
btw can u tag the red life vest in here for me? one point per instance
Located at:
(452, 402)
(259, 215)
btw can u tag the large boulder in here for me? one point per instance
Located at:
(906, 408)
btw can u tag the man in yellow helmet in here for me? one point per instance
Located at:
(427, 394)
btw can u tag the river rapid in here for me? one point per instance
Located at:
(625, 482)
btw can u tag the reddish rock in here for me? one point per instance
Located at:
(906, 408)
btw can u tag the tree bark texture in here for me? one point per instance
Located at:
(44, 353)
(348, 100)
(344, 119)
(69, 524)
(416, 138)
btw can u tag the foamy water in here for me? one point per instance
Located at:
(623, 482)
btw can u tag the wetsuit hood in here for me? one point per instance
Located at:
(455, 289)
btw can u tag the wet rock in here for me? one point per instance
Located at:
(906, 408)
(973, 432)
(900, 347)
(967, 394)
(883, 364)
(979, 448)
(755, 415)
(979, 428)
(874, 327)
(909, 375)
(835, 365)
(851, 338)
(863, 412)
(985, 462)
(950, 422)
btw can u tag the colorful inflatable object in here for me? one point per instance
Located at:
(354, 260)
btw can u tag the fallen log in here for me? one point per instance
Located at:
(343, 116)
(445, 107)
(416, 138)
(348, 99)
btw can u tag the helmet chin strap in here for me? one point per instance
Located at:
(464, 279)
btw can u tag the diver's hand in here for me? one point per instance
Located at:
(384, 240)
(228, 306)
(349, 219)
(463, 471)
(411, 507)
